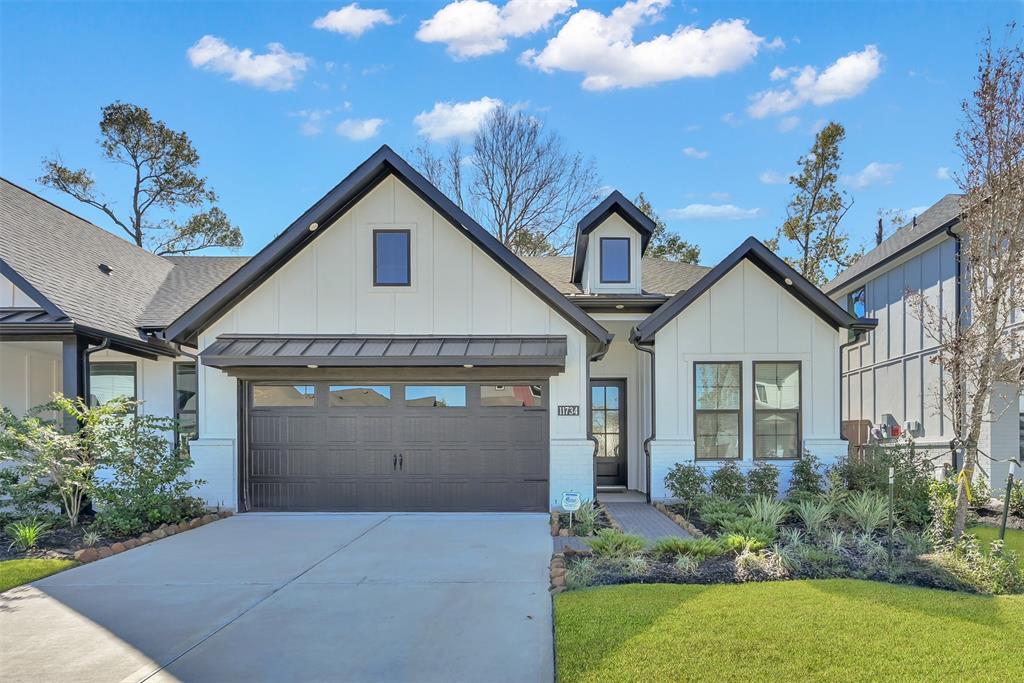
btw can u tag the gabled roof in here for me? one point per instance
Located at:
(934, 221)
(615, 203)
(383, 163)
(659, 276)
(191, 278)
(773, 267)
(55, 257)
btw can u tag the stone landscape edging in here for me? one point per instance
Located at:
(679, 520)
(86, 555)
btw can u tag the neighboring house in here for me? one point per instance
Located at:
(385, 352)
(891, 383)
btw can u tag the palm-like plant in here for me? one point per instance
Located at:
(867, 510)
(814, 514)
(767, 510)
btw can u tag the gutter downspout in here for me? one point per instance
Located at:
(649, 350)
(590, 428)
(105, 344)
(958, 298)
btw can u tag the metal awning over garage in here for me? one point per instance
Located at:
(349, 351)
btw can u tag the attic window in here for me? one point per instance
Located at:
(391, 258)
(105, 269)
(615, 259)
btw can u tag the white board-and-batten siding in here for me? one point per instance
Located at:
(745, 317)
(457, 289)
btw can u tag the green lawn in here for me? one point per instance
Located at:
(1014, 538)
(16, 572)
(831, 630)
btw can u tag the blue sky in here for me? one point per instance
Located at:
(703, 106)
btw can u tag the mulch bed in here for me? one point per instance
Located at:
(994, 517)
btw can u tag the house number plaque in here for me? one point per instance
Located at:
(568, 411)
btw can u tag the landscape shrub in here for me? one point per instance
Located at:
(147, 485)
(580, 573)
(612, 543)
(26, 534)
(996, 572)
(752, 528)
(728, 482)
(738, 542)
(763, 480)
(760, 565)
(813, 513)
(768, 511)
(686, 483)
(1017, 499)
(942, 505)
(584, 520)
(718, 512)
(867, 510)
(698, 548)
(805, 479)
(913, 474)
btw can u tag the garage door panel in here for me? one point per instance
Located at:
(337, 455)
(341, 429)
(268, 462)
(267, 429)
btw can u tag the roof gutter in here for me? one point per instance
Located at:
(634, 339)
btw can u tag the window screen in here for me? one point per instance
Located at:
(777, 410)
(717, 411)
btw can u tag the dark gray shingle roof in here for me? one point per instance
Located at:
(933, 218)
(60, 255)
(659, 276)
(191, 278)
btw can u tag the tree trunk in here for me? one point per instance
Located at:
(967, 476)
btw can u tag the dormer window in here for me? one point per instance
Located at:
(615, 259)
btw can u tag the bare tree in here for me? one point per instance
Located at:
(519, 181)
(815, 211)
(981, 346)
(163, 166)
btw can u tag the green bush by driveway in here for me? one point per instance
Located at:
(16, 572)
(831, 630)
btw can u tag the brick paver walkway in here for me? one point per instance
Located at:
(643, 520)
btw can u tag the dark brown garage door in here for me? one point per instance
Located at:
(391, 446)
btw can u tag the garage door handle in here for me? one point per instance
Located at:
(401, 461)
(394, 461)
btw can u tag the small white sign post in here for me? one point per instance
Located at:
(571, 502)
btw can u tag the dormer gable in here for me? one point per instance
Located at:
(610, 241)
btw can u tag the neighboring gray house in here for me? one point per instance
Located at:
(889, 379)
(385, 352)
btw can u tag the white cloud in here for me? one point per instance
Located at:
(846, 77)
(713, 212)
(770, 177)
(875, 173)
(454, 119)
(777, 43)
(359, 129)
(731, 119)
(353, 20)
(720, 196)
(602, 48)
(942, 173)
(695, 153)
(276, 69)
(313, 120)
(788, 123)
(474, 28)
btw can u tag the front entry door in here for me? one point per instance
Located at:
(608, 423)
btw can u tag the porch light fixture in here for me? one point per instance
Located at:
(312, 367)
(619, 306)
(468, 365)
(313, 227)
(788, 281)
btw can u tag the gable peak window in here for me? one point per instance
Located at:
(615, 264)
(392, 257)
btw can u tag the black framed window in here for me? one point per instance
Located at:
(777, 413)
(392, 256)
(359, 396)
(186, 404)
(614, 259)
(857, 306)
(110, 380)
(717, 410)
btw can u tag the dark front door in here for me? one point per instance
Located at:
(396, 446)
(608, 422)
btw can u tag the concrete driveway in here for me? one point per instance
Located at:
(287, 597)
